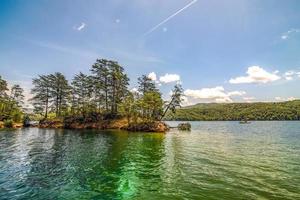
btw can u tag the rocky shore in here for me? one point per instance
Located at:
(121, 124)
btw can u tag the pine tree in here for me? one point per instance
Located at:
(3, 88)
(16, 95)
(118, 85)
(59, 92)
(101, 79)
(41, 92)
(176, 100)
(146, 85)
(82, 87)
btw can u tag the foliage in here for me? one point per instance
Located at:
(184, 126)
(103, 94)
(289, 110)
(176, 100)
(10, 105)
(8, 123)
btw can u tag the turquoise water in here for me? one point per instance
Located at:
(216, 160)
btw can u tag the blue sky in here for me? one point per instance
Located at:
(221, 51)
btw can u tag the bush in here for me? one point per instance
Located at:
(8, 123)
(16, 116)
(184, 126)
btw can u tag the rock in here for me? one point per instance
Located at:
(149, 127)
(184, 126)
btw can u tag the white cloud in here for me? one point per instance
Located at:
(291, 98)
(217, 94)
(285, 99)
(249, 98)
(152, 76)
(290, 75)
(288, 78)
(288, 34)
(169, 78)
(82, 26)
(134, 90)
(236, 93)
(256, 74)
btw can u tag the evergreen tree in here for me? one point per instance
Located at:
(59, 92)
(3, 88)
(118, 85)
(16, 95)
(151, 105)
(146, 84)
(41, 91)
(82, 88)
(100, 76)
(176, 100)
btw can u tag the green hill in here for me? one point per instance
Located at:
(289, 110)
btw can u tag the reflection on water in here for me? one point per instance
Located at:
(216, 160)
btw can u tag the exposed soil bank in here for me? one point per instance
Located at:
(105, 124)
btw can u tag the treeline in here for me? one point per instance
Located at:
(289, 110)
(11, 102)
(102, 94)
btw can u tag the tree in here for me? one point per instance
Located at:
(16, 95)
(41, 92)
(100, 77)
(128, 108)
(176, 100)
(146, 84)
(118, 86)
(3, 88)
(151, 106)
(3, 98)
(82, 87)
(59, 92)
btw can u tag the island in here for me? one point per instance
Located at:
(99, 100)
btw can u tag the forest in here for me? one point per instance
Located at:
(289, 110)
(103, 94)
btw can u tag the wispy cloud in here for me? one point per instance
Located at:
(169, 18)
(64, 49)
(82, 26)
(288, 34)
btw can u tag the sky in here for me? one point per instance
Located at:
(220, 51)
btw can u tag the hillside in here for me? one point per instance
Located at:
(289, 110)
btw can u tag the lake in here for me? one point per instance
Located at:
(216, 160)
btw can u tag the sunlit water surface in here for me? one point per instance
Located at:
(216, 160)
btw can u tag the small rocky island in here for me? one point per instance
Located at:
(101, 99)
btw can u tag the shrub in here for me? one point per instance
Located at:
(184, 126)
(8, 123)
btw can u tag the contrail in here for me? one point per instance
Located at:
(170, 17)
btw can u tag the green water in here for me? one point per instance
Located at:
(216, 160)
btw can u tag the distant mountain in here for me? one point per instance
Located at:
(289, 110)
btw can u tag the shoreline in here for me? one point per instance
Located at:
(122, 124)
